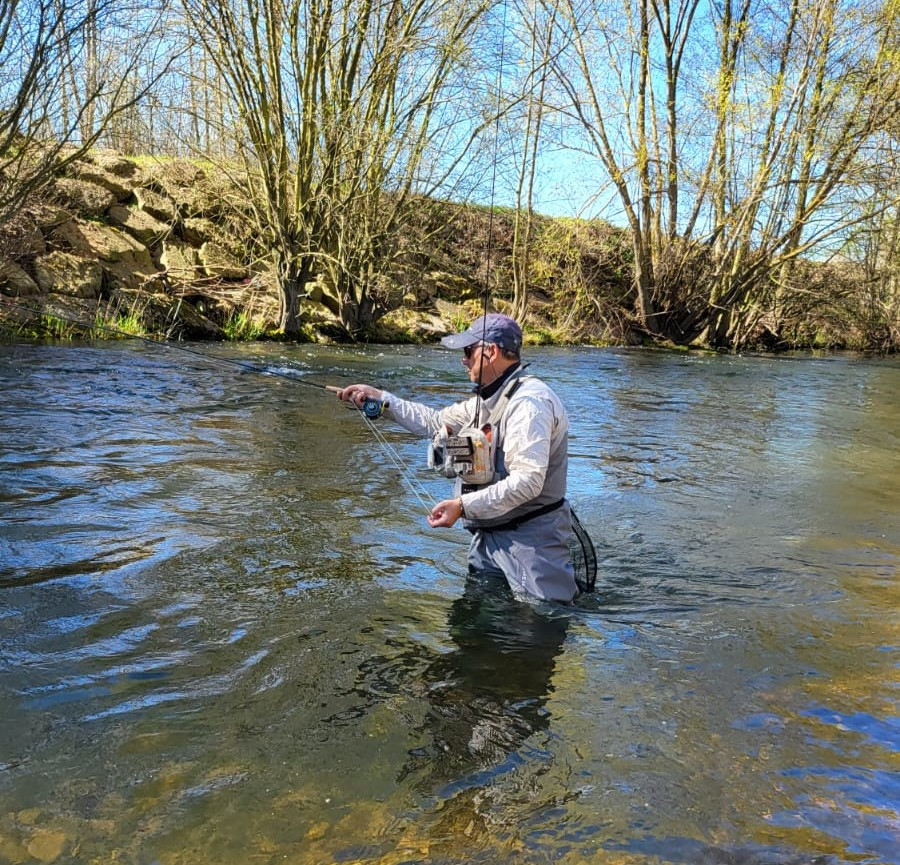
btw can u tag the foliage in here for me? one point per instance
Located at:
(241, 326)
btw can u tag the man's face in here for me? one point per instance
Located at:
(479, 361)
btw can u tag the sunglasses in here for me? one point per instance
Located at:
(469, 349)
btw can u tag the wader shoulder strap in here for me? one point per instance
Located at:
(496, 414)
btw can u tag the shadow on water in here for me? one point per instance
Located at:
(482, 727)
(487, 695)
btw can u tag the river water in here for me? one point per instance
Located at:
(228, 635)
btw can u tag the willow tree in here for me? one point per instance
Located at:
(729, 132)
(340, 108)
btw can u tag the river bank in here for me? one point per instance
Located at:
(142, 246)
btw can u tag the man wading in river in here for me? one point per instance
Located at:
(507, 448)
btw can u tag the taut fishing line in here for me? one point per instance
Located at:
(172, 346)
(486, 294)
(581, 547)
(365, 411)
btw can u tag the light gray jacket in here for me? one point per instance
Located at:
(531, 447)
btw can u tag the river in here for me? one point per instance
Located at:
(229, 636)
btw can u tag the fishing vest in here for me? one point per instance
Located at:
(493, 413)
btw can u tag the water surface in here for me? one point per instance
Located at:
(229, 636)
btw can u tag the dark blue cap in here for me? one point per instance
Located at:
(493, 327)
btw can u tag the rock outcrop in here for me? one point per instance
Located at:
(167, 244)
(138, 238)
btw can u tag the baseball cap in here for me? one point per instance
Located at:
(493, 327)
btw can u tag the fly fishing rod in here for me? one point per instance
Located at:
(370, 410)
(173, 346)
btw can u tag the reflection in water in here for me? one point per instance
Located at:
(486, 703)
(487, 696)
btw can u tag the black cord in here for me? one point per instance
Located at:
(242, 365)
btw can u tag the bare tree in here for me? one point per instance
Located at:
(345, 112)
(539, 36)
(56, 98)
(730, 133)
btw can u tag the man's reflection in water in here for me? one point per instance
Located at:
(487, 696)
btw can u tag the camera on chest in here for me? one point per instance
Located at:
(468, 454)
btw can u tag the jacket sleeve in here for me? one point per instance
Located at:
(530, 425)
(425, 421)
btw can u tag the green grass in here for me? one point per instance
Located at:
(52, 327)
(242, 327)
(128, 325)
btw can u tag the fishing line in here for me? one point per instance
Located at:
(415, 486)
(173, 346)
(490, 238)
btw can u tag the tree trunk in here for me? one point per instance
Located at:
(643, 283)
(292, 279)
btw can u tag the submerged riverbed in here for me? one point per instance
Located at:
(228, 635)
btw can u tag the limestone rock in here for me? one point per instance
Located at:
(119, 188)
(47, 845)
(65, 273)
(177, 172)
(16, 282)
(22, 236)
(28, 816)
(197, 231)
(114, 163)
(218, 262)
(402, 325)
(179, 180)
(140, 225)
(124, 259)
(214, 195)
(196, 323)
(49, 216)
(314, 290)
(179, 261)
(317, 314)
(83, 197)
(11, 850)
(159, 206)
(102, 241)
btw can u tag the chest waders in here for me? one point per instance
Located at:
(471, 456)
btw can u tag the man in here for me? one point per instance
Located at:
(520, 520)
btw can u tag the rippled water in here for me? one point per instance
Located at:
(228, 635)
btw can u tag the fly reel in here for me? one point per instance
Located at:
(373, 408)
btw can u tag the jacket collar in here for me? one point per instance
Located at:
(488, 390)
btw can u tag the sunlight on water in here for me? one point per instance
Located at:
(228, 635)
